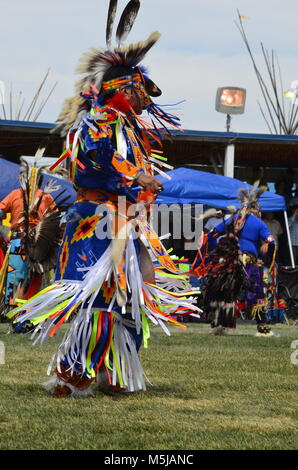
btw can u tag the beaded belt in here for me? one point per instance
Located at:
(95, 195)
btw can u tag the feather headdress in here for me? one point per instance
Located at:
(42, 234)
(95, 64)
(249, 198)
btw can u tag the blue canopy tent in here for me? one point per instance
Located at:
(9, 173)
(9, 180)
(188, 186)
(192, 186)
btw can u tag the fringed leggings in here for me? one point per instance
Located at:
(95, 350)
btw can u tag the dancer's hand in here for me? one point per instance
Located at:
(150, 183)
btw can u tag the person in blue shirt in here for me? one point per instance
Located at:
(252, 232)
(293, 227)
(234, 276)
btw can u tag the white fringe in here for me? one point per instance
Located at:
(51, 384)
(75, 342)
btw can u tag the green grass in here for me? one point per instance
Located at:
(207, 392)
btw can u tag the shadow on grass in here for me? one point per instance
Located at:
(171, 391)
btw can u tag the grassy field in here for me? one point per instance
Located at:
(207, 392)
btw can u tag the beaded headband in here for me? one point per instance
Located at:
(136, 81)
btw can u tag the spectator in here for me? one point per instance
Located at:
(283, 187)
(283, 251)
(293, 227)
(273, 226)
(280, 187)
(289, 182)
(293, 202)
(258, 174)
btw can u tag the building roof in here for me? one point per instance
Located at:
(212, 136)
(24, 137)
(252, 150)
(190, 146)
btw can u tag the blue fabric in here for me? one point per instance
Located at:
(99, 173)
(64, 185)
(253, 230)
(9, 180)
(17, 268)
(276, 315)
(8, 177)
(83, 245)
(82, 249)
(187, 186)
(195, 281)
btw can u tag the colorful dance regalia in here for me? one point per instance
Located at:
(105, 281)
(235, 279)
(35, 236)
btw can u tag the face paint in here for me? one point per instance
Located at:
(140, 90)
(135, 81)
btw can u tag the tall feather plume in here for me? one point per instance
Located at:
(34, 184)
(39, 153)
(134, 53)
(24, 173)
(127, 20)
(110, 21)
(255, 186)
(243, 194)
(261, 190)
(251, 197)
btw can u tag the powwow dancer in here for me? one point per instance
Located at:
(235, 280)
(104, 275)
(35, 234)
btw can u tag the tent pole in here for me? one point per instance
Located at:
(229, 160)
(289, 240)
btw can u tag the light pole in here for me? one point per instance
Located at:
(230, 100)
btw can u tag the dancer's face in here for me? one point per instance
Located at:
(135, 100)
